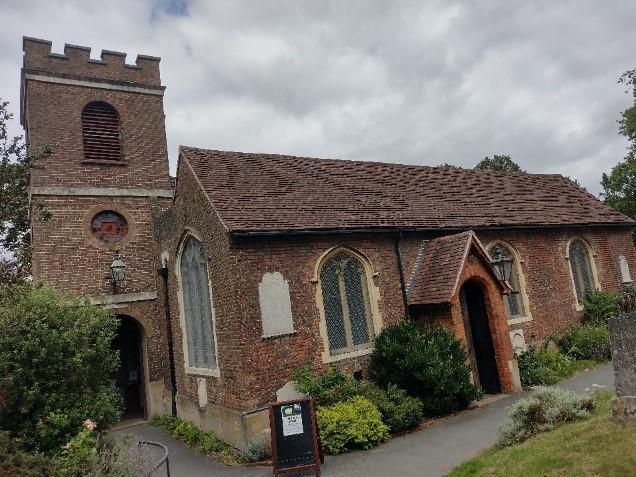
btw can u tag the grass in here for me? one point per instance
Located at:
(201, 441)
(594, 447)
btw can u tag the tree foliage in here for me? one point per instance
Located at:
(428, 363)
(619, 186)
(498, 163)
(55, 365)
(15, 166)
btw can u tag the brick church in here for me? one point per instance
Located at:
(247, 266)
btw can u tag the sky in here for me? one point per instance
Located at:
(415, 82)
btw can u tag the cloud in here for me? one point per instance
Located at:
(405, 81)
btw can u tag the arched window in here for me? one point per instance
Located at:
(515, 303)
(581, 267)
(346, 306)
(197, 307)
(100, 130)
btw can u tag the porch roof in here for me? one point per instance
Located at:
(435, 282)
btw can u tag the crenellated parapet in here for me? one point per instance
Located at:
(77, 63)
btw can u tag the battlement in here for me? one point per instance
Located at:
(77, 63)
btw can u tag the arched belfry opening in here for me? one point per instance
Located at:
(129, 378)
(479, 337)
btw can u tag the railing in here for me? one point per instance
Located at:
(164, 460)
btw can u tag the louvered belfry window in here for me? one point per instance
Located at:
(197, 306)
(100, 129)
(346, 303)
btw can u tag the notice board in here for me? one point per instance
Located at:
(294, 435)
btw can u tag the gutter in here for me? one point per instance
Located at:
(278, 233)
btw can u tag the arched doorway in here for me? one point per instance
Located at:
(129, 377)
(479, 337)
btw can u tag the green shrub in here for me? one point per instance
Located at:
(399, 411)
(89, 454)
(258, 449)
(587, 342)
(545, 409)
(429, 363)
(16, 463)
(206, 442)
(326, 388)
(55, 365)
(532, 370)
(356, 423)
(599, 306)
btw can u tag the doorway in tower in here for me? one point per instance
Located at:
(129, 377)
(479, 337)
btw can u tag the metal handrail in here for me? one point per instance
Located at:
(165, 459)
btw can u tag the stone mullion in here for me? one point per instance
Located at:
(345, 308)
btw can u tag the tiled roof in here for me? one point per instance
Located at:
(437, 279)
(268, 192)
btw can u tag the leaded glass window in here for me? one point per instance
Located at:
(581, 267)
(515, 307)
(346, 303)
(197, 306)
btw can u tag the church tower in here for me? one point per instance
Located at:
(105, 183)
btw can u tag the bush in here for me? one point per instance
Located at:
(587, 342)
(258, 449)
(399, 411)
(354, 423)
(429, 363)
(89, 454)
(17, 463)
(327, 389)
(55, 365)
(545, 409)
(206, 442)
(599, 306)
(532, 370)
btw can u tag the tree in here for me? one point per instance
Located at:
(498, 163)
(619, 186)
(15, 166)
(55, 365)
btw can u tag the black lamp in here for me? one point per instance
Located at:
(501, 264)
(117, 271)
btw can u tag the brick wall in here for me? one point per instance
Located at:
(66, 254)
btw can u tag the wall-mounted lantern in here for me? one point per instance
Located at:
(501, 264)
(117, 271)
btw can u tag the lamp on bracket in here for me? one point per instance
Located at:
(117, 271)
(502, 265)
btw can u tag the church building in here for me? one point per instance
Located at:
(248, 266)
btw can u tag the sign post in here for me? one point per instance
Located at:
(294, 434)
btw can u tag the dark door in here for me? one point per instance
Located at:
(480, 337)
(128, 377)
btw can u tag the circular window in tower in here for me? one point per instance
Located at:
(109, 226)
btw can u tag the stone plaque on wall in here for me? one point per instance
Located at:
(276, 315)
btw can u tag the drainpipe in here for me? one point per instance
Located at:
(166, 303)
(398, 253)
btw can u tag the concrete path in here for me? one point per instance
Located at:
(429, 452)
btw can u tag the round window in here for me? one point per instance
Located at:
(109, 226)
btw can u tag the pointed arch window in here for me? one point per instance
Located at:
(101, 132)
(581, 267)
(197, 306)
(346, 305)
(516, 303)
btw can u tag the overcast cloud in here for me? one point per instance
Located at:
(420, 82)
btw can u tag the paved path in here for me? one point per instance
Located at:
(430, 452)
